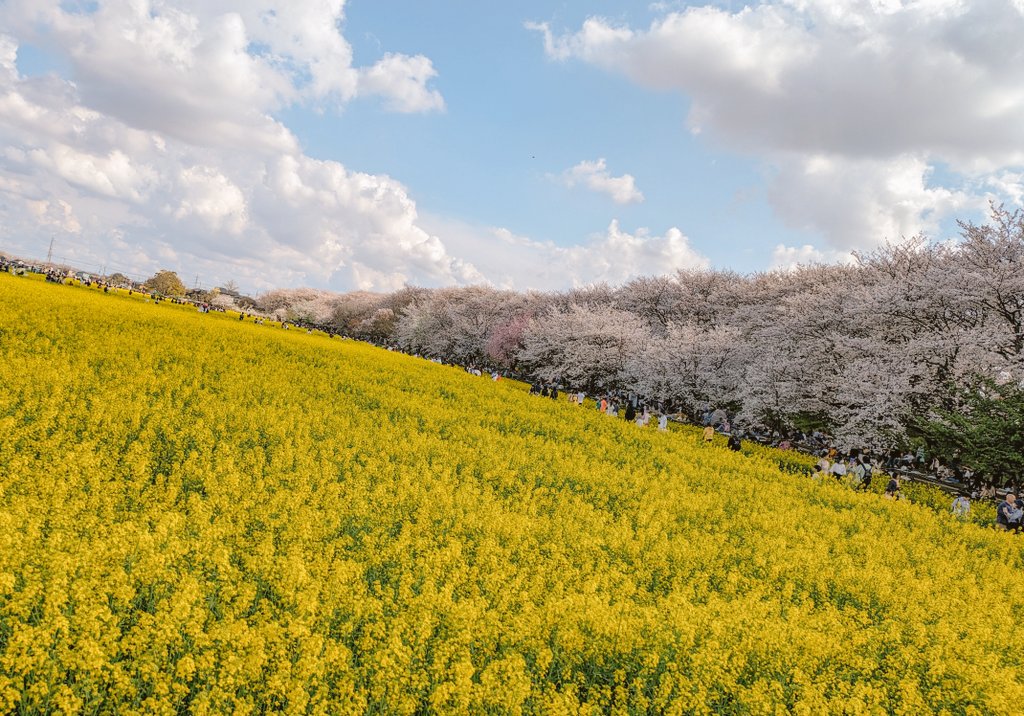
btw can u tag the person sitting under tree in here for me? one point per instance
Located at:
(961, 507)
(1008, 514)
(892, 490)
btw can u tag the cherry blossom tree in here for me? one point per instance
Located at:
(871, 352)
(589, 348)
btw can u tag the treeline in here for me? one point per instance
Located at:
(872, 352)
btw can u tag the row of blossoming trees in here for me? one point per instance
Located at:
(890, 348)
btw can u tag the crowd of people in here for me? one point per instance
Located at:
(854, 467)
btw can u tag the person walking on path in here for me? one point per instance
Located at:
(709, 434)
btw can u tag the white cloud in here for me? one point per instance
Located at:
(57, 215)
(200, 177)
(595, 176)
(111, 174)
(1009, 185)
(849, 102)
(163, 150)
(790, 257)
(211, 196)
(211, 73)
(403, 81)
(852, 78)
(138, 194)
(615, 256)
(144, 199)
(861, 203)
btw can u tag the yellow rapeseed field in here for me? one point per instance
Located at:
(199, 514)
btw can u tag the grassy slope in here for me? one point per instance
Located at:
(198, 513)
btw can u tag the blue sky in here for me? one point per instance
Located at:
(358, 145)
(515, 121)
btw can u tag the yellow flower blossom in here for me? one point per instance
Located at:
(199, 514)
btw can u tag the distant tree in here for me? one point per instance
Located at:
(984, 432)
(353, 314)
(281, 298)
(119, 279)
(377, 327)
(654, 298)
(991, 261)
(876, 353)
(222, 300)
(455, 323)
(588, 347)
(166, 283)
(296, 304)
(506, 340)
(247, 303)
(690, 367)
(203, 295)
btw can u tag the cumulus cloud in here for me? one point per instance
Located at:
(54, 214)
(402, 80)
(614, 256)
(848, 77)
(144, 198)
(161, 151)
(1009, 185)
(213, 198)
(786, 258)
(211, 73)
(880, 90)
(139, 185)
(595, 176)
(858, 203)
